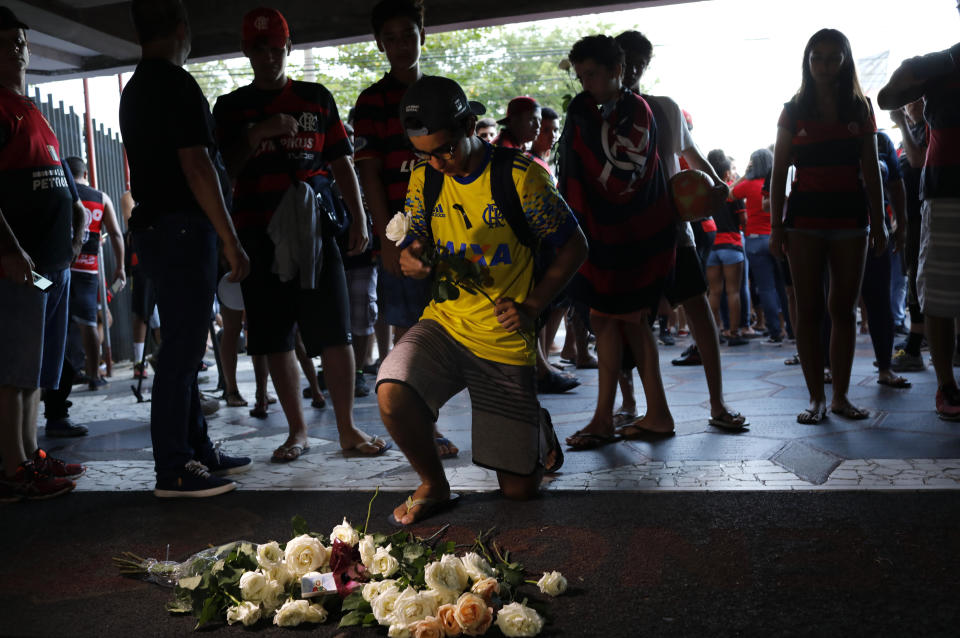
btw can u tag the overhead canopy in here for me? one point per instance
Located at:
(74, 38)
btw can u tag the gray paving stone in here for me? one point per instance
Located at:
(807, 462)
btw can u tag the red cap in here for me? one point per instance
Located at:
(519, 105)
(267, 26)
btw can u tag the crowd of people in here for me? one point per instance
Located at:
(273, 192)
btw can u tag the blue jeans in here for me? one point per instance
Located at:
(898, 289)
(178, 255)
(764, 278)
(876, 297)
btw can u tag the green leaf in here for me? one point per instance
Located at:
(448, 548)
(210, 612)
(353, 618)
(369, 620)
(412, 552)
(299, 525)
(355, 602)
(190, 582)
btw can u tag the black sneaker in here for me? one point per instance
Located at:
(690, 357)
(360, 387)
(64, 428)
(667, 339)
(221, 464)
(193, 481)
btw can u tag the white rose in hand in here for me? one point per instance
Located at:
(517, 619)
(269, 555)
(345, 534)
(398, 227)
(248, 613)
(383, 563)
(305, 554)
(552, 583)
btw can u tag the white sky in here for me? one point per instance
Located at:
(730, 63)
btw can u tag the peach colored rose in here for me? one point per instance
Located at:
(473, 615)
(486, 588)
(446, 614)
(429, 627)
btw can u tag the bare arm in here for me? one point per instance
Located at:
(898, 201)
(205, 186)
(371, 179)
(870, 167)
(916, 152)
(116, 238)
(778, 189)
(350, 191)
(14, 261)
(79, 219)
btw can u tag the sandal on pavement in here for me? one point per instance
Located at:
(792, 361)
(624, 417)
(554, 444)
(812, 417)
(894, 381)
(318, 403)
(729, 420)
(374, 447)
(287, 453)
(446, 448)
(634, 432)
(428, 507)
(580, 440)
(259, 412)
(852, 412)
(234, 400)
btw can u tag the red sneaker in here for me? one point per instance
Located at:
(948, 404)
(53, 467)
(139, 371)
(33, 485)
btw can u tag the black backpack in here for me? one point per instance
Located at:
(507, 201)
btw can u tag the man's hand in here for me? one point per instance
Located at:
(513, 316)
(410, 264)
(878, 238)
(359, 236)
(279, 125)
(17, 266)
(238, 260)
(120, 275)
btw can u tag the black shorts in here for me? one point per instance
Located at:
(142, 299)
(688, 280)
(274, 308)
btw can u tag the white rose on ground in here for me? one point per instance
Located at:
(517, 619)
(477, 566)
(246, 612)
(252, 586)
(443, 596)
(368, 550)
(383, 563)
(273, 595)
(291, 614)
(447, 573)
(281, 574)
(345, 534)
(398, 631)
(373, 589)
(552, 583)
(305, 554)
(269, 555)
(398, 227)
(412, 606)
(316, 613)
(382, 605)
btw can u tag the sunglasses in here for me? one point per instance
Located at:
(444, 153)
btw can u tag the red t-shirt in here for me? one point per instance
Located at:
(758, 220)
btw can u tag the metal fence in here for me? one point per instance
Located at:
(111, 179)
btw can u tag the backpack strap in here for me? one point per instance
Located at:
(505, 196)
(432, 185)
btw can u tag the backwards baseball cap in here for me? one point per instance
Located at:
(519, 105)
(267, 26)
(9, 21)
(434, 103)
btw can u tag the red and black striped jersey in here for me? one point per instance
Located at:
(320, 139)
(378, 133)
(941, 110)
(87, 260)
(35, 194)
(827, 191)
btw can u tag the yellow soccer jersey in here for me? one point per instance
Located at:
(466, 221)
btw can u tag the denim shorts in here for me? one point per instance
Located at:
(33, 332)
(401, 299)
(83, 298)
(362, 287)
(723, 256)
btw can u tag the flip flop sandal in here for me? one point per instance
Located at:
(289, 453)
(634, 433)
(729, 421)
(851, 412)
(318, 403)
(811, 417)
(428, 507)
(234, 400)
(554, 444)
(792, 361)
(358, 449)
(895, 382)
(581, 441)
(442, 441)
(623, 417)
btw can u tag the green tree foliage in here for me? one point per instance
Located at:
(493, 64)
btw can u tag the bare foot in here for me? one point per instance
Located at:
(362, 442)
(814, 414)
(425, 493)
(647, 423)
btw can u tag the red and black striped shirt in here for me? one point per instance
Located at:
(828, 191)
(941, 110)
(378, 133)
(320, 139)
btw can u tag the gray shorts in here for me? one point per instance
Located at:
(938, 273)
(362, 288)
(506, 434)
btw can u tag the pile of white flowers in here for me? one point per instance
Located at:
(457, 595)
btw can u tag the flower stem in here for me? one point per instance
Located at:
(370, 505)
